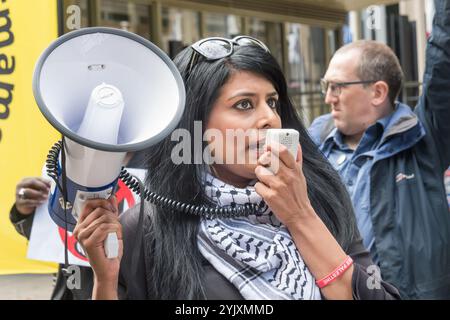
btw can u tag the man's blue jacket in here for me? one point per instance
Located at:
(408, 204)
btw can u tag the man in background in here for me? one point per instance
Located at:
(392, 159)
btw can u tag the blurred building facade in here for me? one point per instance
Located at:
(301, 34)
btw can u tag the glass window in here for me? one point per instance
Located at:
(180, 28)
(270, 33)
(127, 15)
(309, 51)
(221, 25)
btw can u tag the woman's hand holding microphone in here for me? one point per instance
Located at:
(282, 184)
(286, 193)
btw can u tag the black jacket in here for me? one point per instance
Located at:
(23, 224)
(133, 277)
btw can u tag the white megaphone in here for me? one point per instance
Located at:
(108, 92)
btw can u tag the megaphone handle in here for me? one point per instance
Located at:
(111, 242)
(111, 246)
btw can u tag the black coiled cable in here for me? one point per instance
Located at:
(52, 162)
(204, 211)
(52, 171)
(158, 200)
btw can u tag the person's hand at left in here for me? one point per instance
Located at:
(30, 193)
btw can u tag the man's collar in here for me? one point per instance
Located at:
(399, 120)
(336, 137)
(384, 122)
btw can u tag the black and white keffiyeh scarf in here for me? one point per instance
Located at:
(255, 253)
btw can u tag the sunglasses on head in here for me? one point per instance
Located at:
(215, 48)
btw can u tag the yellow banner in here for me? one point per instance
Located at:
(26, 29)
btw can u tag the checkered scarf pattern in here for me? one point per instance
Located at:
(255, 253)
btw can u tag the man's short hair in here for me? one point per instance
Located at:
(377, 62)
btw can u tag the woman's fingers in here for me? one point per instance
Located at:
(264, 191)
(115, 205)
(283, 154)
(264, 175)
(299, 160)
(95, 248)
(95, 237)
(92, 204)
(93, 220)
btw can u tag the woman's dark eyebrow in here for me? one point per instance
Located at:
(251, 94)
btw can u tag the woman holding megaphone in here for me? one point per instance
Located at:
(299, 242)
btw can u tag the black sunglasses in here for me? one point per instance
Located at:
(215, 48)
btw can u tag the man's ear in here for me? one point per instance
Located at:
(380, 92)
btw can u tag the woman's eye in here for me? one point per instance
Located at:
(243, 105)
(272, 103)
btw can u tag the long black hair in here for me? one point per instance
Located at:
(176, 270)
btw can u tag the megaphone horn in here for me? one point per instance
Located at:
(108, 91)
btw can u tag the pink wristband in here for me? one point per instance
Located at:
(336, 273)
